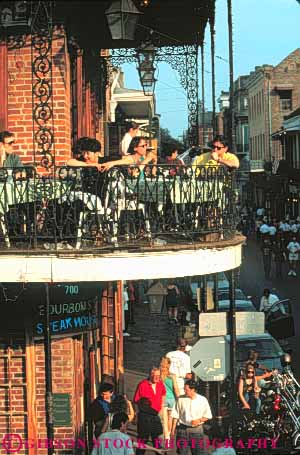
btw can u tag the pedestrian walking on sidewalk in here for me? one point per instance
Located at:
(189, 414)
(293, 250)
(132, 301)
(267, 257)
(172, 302)
(149, 399)
(180, 364)
(279, 258)
(172, 394)
(99, 408)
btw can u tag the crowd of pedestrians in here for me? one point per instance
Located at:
(167, 406)
(279, 240)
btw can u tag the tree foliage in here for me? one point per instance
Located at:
(167, 142)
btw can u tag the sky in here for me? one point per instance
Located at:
(264, 32)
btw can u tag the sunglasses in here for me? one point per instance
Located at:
(218, 148)
(250, 372)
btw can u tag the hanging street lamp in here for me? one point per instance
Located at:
(146, 68)
(122, 18)
(16, 15)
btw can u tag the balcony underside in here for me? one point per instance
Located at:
(165, 261)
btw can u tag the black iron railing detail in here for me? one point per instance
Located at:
(76, 208)
(42, 87)
(181, 58)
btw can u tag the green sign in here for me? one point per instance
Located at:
(62, 410)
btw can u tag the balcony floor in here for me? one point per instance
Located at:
(142, 262)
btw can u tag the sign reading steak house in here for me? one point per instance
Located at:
(73, 307)
(70, 317)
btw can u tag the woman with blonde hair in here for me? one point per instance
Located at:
(172, 394)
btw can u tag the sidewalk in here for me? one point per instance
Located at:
(151, 338)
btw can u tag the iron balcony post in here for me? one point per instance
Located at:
(232, 332)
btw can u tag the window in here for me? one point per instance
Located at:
(245, 100)
(285, 99)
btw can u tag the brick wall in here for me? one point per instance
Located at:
(62, 382)
(20, 98)
(92, 119)
(264, 96)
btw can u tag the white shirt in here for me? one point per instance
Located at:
(180, 366)
(293, 247)
(294, 228)
(272, 230)
(125, 299)
(260, 212)
(267, 302)
(264, 229)
(185, 409)
(113, 442)
(125, 143)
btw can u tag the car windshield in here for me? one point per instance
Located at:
(266, 348)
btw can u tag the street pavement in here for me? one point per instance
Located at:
(252, 282)
(152, 336)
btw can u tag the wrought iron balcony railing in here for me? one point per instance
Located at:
(81, 208)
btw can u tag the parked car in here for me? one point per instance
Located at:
(223, 284)
(240, 305)
(223, 294)
(269, 350)
(280, 321)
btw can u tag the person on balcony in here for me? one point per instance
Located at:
(86, 153)
(132, 129)
(171, 157)
(7, 157)
(219, 156)
(137, 156)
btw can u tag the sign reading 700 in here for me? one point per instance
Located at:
(72, 308)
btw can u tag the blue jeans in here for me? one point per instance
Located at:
(250, 398)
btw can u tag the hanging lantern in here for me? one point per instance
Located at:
(16, 15)
(122, 18)
(146, 68)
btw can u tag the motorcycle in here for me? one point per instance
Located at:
(279, 417)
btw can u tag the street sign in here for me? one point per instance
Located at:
(212, 324)
(250, 323)
(247, 323)
(210, 358)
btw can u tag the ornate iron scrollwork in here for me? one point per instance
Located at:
(42, 100)
(183, 59)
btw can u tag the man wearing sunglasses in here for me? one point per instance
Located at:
(7, 157)
(219, 156)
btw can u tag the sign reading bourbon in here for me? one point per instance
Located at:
(73, 308)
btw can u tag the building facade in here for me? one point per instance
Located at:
(273, 93)
(69, 238)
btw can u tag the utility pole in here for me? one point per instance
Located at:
(48, 372)
(231, 81)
